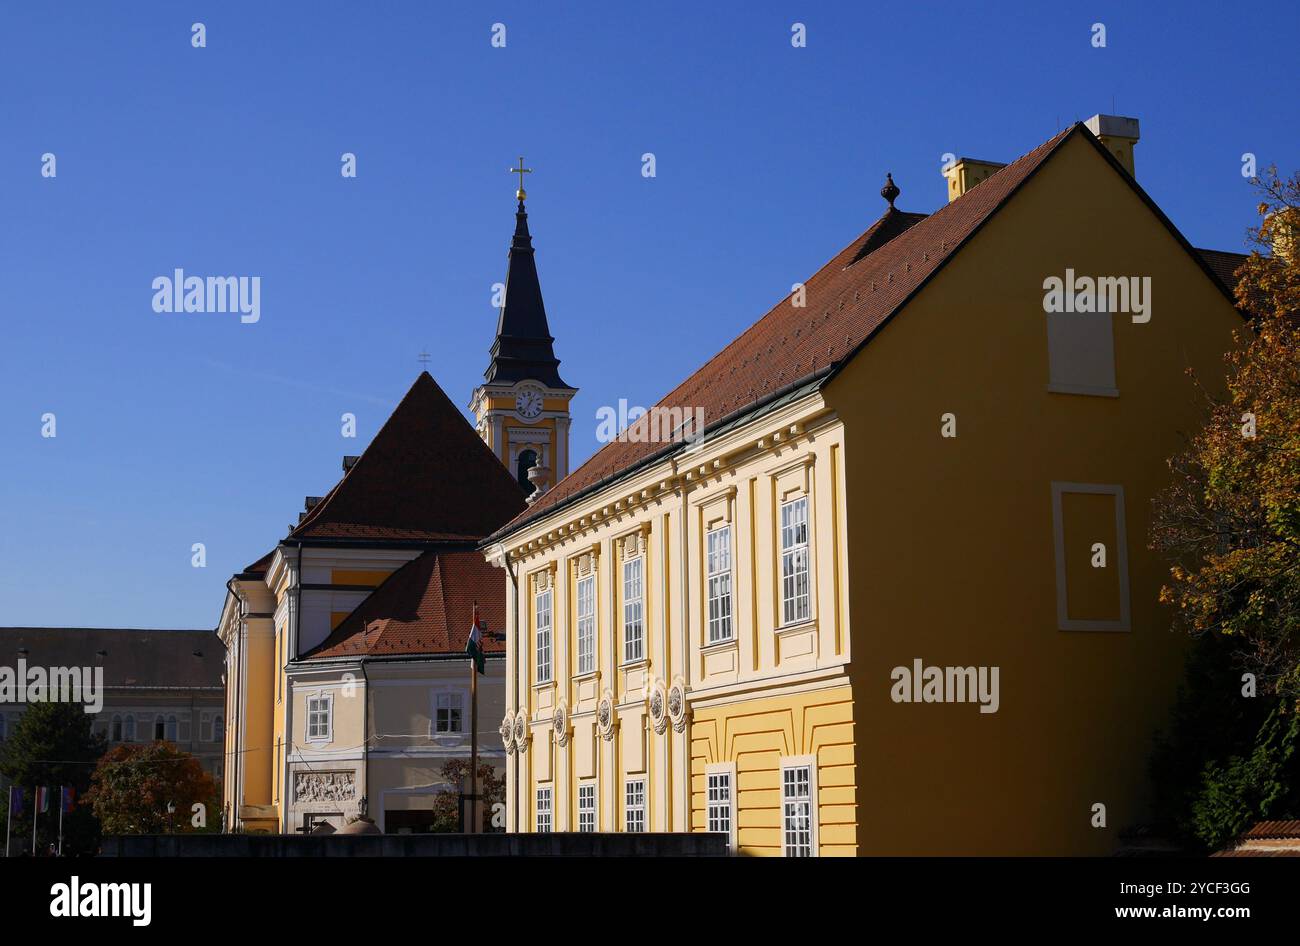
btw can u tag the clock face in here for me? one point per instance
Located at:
(529, 404)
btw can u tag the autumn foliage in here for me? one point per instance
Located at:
(133, 784)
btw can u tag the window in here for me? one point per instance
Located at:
(130, 728)
(319, 709)
(1081, 353)
(449, 710)
(633, 613)
(544, 637)
(587, 807)
(159, 728)
(544, 810)
(1092, 584)
(171, 729)
(117, 728)
(720, 812)
(205, 727)
(218, 729)
(795, 604)
(587, 624)
(634, 809)
(719, 579)
(796, 810)
(527, 460)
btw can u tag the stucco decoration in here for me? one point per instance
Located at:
(561, 723)
(507, 731)
(658, 703)
(521, 733)
(605, 716)
(678, 711)
(324, 786)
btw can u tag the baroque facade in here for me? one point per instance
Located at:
(910, 464)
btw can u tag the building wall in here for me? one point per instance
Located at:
(952, 539)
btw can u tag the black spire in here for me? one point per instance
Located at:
(523, 346)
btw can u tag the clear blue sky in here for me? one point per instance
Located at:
(176, 429)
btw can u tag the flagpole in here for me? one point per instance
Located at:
(61, 807)
(473, 734)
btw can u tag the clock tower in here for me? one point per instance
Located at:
(521, 409)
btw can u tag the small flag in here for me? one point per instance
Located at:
(15, 801)
(474, 646)
(66, 796)
(42, 801)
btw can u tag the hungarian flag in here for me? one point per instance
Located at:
(66, 795)
(42, 801)
(15, 801)
(474, 646)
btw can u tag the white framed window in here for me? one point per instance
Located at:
(320, 713)
(448, 712)
(795, 600)
(185, 727)
(634, 805)
(159, 727)
(633, 610)
(205, 727)
(117, 728)
(798, 807)
(718, 569)
(130, 727)
(721, 801)
(587, 807)
(544, 636)
(172, 727)
(218, 728)
(587, 624)
(544, 810)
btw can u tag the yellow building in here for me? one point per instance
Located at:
(347, 687)
(924, 474)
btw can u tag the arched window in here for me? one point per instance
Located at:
(171, 728)
(527, 460)
(218, 729)
(159, 732)
(130, 728)
(117, 728)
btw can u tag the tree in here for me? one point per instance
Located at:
(133, 785)
(52, 746)
(1230, 526)
(446, 806)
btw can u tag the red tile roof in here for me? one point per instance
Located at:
(425, 607)
(847, 300)
(1224, 266)
(427, 476)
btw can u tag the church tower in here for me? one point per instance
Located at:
(522, 408)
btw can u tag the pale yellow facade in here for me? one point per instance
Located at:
(954, 494)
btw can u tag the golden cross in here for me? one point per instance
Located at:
(521, 171)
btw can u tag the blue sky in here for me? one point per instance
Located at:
(181, 428)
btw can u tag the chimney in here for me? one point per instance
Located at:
(349, 462)
(1118, 134)
(965, 173)
(310, 502)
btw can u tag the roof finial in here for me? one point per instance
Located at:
(520, 194)
(890, 191)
